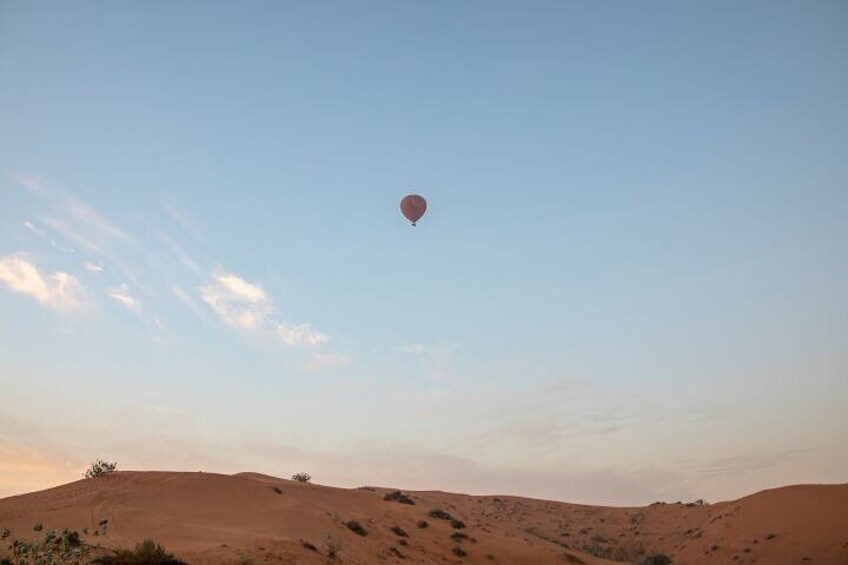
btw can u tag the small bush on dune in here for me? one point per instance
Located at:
(657, 559)
(399, 497)
(147, 552)
(302, 477)
(332, 545)
(457, 524)
(422, 524)
(99, 468)
(356, 528)
(440, 514)
(400, 532)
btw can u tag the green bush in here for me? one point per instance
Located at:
(302, 477)
(657, 559)
(99, 468)
(399, 497)
(356, 528)
(147, 552)
(440, 514)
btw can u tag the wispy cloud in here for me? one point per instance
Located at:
(122, 294)
(238, 303)
(247, 307)
(741, 464)
(301, 334)
(31, 227)
(93, 267)
(177, 251)
(185, 222)
(327, 361)
(186, 299)
(31, 183)
(59, 291)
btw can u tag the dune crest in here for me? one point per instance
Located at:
(209, 518)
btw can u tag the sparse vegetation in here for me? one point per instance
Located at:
(396, 552)
(302, 477)
(657, 559)
(422, 524)
(457, 524)
(5, 533)
(147, 552)
(400, 532)
(278, 490)
(332, 546)
(56, 548)
(399, 497)
(440, 514)
(459, 552)
(771, 536)
(403, 542)
(99, 468)
(308, 545)
(38, 527)
(458, 537)
(356, 528)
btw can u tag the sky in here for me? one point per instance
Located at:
(631, 283)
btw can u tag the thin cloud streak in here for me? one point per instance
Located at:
(122, 294)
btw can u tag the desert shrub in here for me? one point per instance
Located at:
(38, 527)
(147, 552)
(458, 537)
(459, 552)
(403, 542)
(5, 533)
(396, 552)
(440, 514)
(302, 477)
(399, 497)
(771, 536)
(657, 559)
(332, 546)
(356, 528)
(422, 524)
(6, 561)
(308, 545)
(100, 467)
(278, 490)
(400, 532)
(55, 548)
(457, 524)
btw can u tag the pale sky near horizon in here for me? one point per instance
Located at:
(631, 283)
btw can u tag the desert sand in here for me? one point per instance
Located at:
(208, 518)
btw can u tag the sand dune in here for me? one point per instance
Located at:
(207, 518)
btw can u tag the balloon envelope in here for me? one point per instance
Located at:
(413, 207)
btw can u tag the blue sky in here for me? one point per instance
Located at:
(631, 282)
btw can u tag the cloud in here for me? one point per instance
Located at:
(60, 291)
(327, 361)
(185, 222)
(301, 334)
(31, 227)
(247, 307)
(186, 299)
(180, 254)
(93, 267)
(238, 303)
(741, 464)
(31, 183)
(123, 295)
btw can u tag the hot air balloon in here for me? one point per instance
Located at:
(413, 207)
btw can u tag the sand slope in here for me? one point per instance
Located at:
(211, 518)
